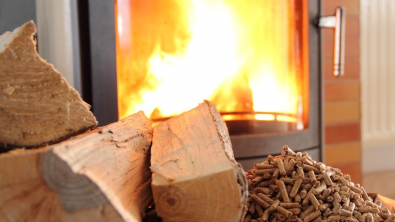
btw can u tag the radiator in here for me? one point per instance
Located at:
(378, 82)
(378, 69)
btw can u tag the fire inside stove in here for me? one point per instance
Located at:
(250, 58)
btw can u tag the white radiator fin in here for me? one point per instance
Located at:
(378, 71)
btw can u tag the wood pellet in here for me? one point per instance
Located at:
(294, 187)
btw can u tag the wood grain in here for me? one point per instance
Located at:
(37, 106)
(101, 175)
(195, 176)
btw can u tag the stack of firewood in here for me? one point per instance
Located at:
(75, 171)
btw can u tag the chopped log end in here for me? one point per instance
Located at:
(213, 197)
(100, 175)
(4, 147)
(38, 106)
(222, 130)
(75, 191)
(26, 30)
(195, 176)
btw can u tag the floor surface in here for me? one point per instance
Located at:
(380, 182)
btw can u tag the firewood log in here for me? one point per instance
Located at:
(195, 176)
(37, 106)
(100, 175)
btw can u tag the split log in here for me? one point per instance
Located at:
(195, 176)
(101, 175)
(37, 106)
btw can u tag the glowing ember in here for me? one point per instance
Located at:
(245, 56)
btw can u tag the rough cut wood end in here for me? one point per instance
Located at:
(195, 176)
(37, 106)
(100, 175)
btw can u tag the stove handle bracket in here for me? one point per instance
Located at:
(336, 22)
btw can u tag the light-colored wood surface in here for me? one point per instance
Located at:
(24, 195)
(101, 175)
(37, 106)
(195, 176)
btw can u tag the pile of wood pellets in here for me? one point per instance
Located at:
(294, 187)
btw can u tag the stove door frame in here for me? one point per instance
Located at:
(310, 140)
(98, 59)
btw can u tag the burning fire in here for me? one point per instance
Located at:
(247, 57)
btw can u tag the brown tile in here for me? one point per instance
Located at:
(342, 90)
(352, 28)
(344, 153)
(351, 69)
(340, 112)
(352, 169)
(340, 133)
(352, 47)
(351, 6)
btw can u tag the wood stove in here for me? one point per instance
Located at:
(252, 139)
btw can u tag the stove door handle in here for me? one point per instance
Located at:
(338, 23)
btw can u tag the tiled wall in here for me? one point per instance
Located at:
(342, 95)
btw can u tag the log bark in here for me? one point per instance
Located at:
(195, 176)
(37, 106)
(101, 175)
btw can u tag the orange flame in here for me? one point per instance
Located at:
(245, 56)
